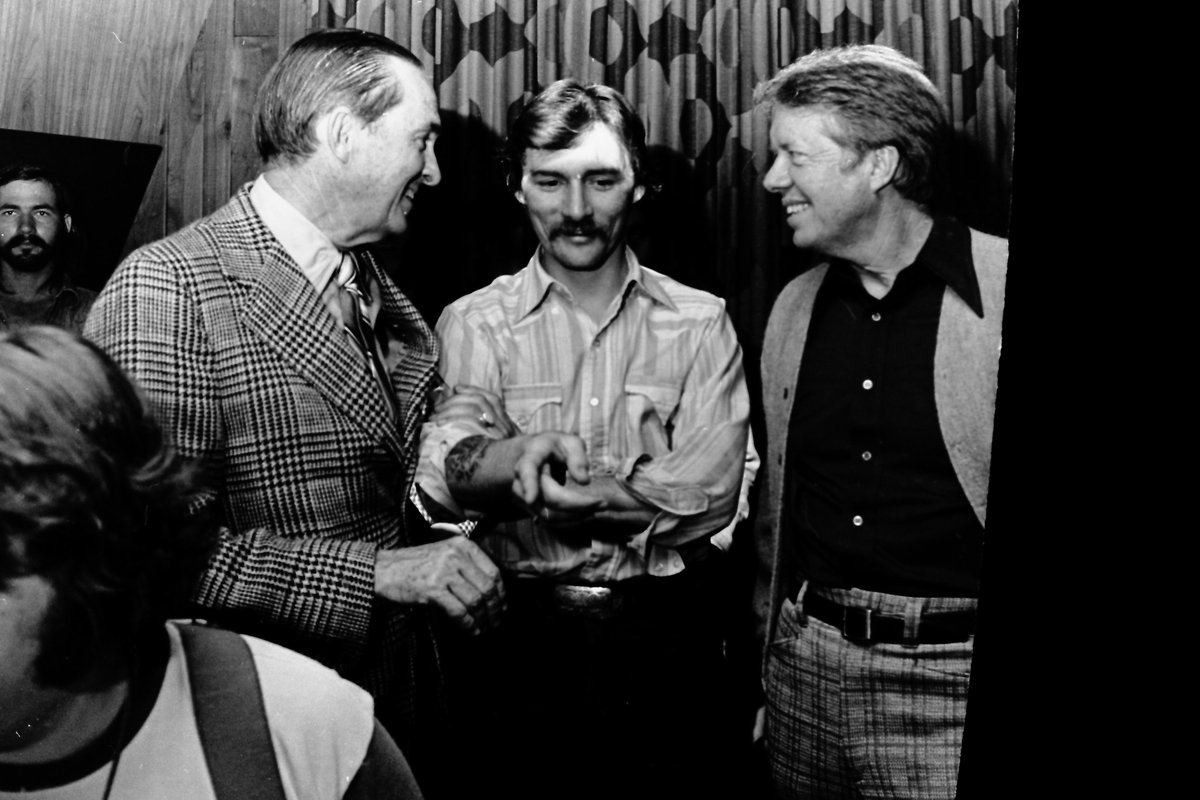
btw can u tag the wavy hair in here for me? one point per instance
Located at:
(881, 97)
(94, 501)
(556, 117)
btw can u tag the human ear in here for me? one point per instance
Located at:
(638, 193)
(67, 222)
(335, 130)
(884, 162)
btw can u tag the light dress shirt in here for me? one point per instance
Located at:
(656, 391)
(313, 251)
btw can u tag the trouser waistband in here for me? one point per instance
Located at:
(869, 617)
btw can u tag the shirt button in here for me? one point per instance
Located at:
(857, 521)
(876, 317)
(595, 401)
(868, 383)
(866, 456)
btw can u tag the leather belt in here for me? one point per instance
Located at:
(865, 625)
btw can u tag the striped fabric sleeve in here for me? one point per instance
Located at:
(697, 484)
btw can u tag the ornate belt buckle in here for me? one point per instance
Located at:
(597, 602)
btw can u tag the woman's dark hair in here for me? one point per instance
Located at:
(94, 501)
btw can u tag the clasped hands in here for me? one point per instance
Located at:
(544, 474)
(547, 474)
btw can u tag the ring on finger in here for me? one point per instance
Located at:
(485, 419)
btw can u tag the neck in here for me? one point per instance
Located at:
(318, 200)
(66, 723)
(595, 289)
(892, 245)
(26, 285)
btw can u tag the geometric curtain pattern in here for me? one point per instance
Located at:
(690, 69)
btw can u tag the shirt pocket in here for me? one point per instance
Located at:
(651, 404)
(534, 407)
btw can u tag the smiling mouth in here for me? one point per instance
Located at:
(796, 208)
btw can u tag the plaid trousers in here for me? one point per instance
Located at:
(848, 720)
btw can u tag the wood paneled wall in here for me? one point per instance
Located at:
(208, 137)
(104, 70)
(177, 73)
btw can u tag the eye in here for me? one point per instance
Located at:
(547, 183)
(604, 184)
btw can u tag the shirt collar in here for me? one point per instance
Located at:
(947, 254)
(637, 278)
(312, 250)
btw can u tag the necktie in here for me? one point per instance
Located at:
(353, 300)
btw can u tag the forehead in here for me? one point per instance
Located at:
(28, 193)
(811, 125)
(419, 105)
(598, 148)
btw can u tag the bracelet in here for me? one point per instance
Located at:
(465, 527)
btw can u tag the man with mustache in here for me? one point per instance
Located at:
(610, 651)
(278, 351)
(35, 228)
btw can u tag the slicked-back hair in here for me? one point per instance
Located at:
(556, 117)
(880, 97)
(94, 501)
(320, 72)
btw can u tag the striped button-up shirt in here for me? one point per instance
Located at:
(656, 392)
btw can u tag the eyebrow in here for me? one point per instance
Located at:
(591, 173)
(38, 207)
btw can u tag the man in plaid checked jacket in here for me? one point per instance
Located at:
(232, 326)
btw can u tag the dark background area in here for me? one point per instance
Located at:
(105, 180)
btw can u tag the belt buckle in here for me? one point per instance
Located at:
(856, 624)
(599, 602)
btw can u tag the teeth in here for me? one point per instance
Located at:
(795, 207)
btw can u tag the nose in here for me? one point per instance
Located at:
(431, 175)
(25, 223)
(777, 180)
(577, 205)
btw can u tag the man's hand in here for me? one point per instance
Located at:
(472, 404)
(545, 465)
(453, 574)
(487, 475)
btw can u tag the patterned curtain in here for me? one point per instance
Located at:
(689, 67)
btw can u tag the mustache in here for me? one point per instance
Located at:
(25, 238)
(577, 230)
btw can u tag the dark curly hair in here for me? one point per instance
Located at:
(93, 500)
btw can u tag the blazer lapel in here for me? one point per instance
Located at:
(415, 372)
(283, 309)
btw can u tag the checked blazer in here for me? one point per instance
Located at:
(248, 371)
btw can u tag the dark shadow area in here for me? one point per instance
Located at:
(465, 231)
(105, 182)
(978, 187)
(670, 230)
